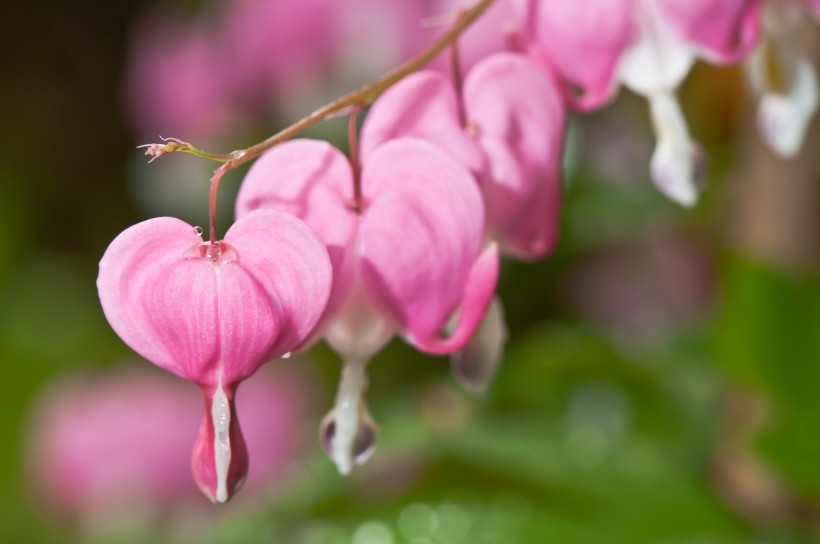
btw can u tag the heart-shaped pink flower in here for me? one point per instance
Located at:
(213, 313)
(512, 141)
(406, 258)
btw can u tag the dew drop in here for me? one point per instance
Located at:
(287, 355)
(198, 231)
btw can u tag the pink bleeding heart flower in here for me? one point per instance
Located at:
(783, 77)
(508, 129)
(213, 313)
(407, 255)
(510, 135)
(649, 46)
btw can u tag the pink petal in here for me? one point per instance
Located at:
(312, 180)
(160, 302)
(210, 321)
(519, 120)
(475, 300)
(727, 30)
(583, 42)
(289, 262)
(423, 105)
(205, 463)
(421, 234)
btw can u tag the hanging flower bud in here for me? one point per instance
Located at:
(213, 313)
(784, 78)
(406, 252)
(508, 129)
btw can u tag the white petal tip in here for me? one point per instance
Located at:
(674, 177)
(783, 118)
(679, 164)
(781, 127)
(221, 416)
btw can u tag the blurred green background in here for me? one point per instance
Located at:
(662, 379)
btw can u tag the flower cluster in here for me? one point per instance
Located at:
(452, 169)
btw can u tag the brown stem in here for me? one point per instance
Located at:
(355, 163)
(455, 66)
(213, 193)
(363, 96)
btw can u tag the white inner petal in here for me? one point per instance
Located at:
(659, 59)
(349, 411)
(221, 416)
(673, 166)
(358, 330)
(784, 78)
(783, 119)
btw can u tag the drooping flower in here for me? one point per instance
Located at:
(510, 134)
(407, 255)
(213, 313)
(649, 46)
(507, 127)
(783, 77)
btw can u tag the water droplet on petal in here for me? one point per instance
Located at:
(198, 231)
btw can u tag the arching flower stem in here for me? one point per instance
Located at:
(458, 79)
(355, 159)
(362, 97)
(213, 194)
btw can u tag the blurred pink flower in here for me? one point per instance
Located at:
(273, 44)
(212, 73)
(214, 312)
(644, 287)
(175, 82)
(118, 443)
